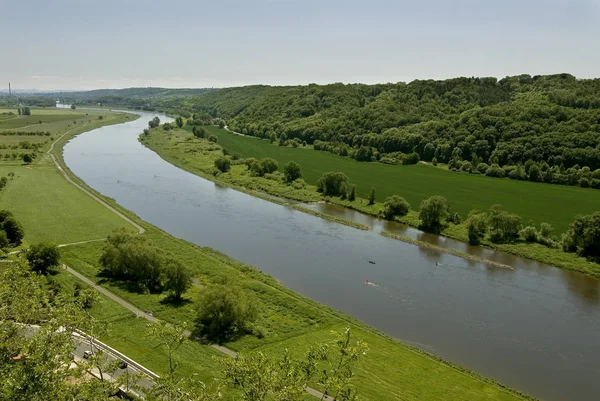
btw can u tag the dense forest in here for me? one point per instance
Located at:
(541, 128)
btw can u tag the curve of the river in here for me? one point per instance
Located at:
(535, 328)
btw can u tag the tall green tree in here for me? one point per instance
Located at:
(291, 171)
(178, 278)
(42, 257)
(433, 213)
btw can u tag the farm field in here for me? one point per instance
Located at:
(537, 202)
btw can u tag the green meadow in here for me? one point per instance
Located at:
(536, 202)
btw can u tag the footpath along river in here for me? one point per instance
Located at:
(535, 328)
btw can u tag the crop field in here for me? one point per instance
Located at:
(536, 202)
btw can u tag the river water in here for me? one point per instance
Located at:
(535, 328)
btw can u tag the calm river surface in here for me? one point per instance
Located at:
(535, 328)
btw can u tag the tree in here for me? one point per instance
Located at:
(42, 257)
(223, 164)
(331, 184)
(199, 132)
(170, 337)
(476, 226)
(178, 278)
(223, 312)
(3, 240)
(291, 171)
(12, 228)
(264, 166)
(504, 226)
(372, 196)
(433, 213)
(73, 107)
(129, 257)
(352, 194)
(179, 122)
(395, 206)
(534, 173)
(26, 111)
(155, 122)
(583, 235)
(27, 158)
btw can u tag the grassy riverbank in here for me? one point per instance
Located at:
(179, 147)
(537, 202)
(391, 370)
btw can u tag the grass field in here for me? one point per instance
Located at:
(51, 209)
(538, 202)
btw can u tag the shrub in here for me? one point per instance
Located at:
(299, 184)
(264, 166)
(482, 168)
(27, 158)
(222, 312)
(434, 161)
(212, 138)
(495, 171)
(352, 193)
(454, 218)
(411, 158)
(529, 234)
(395, 206)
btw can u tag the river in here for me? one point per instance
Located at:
(535, 328)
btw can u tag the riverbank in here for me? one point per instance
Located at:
(391, 370)
(197, 156)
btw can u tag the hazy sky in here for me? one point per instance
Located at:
(82, 44)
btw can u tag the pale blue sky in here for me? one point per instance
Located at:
(81, 44)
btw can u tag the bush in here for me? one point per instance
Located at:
(167, 127)
(453, 218)
(299, 184)
(212, 138)
(482, 168)
(250, 162)
(223, 164)
(411, 158)
(395, 206)
(434, 161)
(529, 234)
(292, 171)
(466, 166)
(27, 158)
(275, 176)
(222, 312)
(495, 171)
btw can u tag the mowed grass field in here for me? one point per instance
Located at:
(536, 202)
(51, 209)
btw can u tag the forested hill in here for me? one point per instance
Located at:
(552, 119)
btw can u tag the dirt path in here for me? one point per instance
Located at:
(148, 316)
(139, 228)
